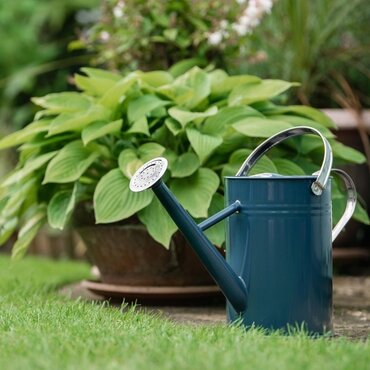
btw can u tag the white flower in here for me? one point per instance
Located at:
(117, 12)
(215, 38)
(104, 36)
(240, 29)
(240, 2)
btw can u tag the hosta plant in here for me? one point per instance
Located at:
(84, 147)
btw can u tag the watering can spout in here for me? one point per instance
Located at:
(232, 285)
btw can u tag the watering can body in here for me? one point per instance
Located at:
(278, 268)
(280, 244)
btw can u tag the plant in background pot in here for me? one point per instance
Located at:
(83, 147)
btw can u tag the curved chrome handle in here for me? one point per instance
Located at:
(351, 202)
(323, 175)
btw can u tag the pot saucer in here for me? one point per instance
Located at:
(155, 294)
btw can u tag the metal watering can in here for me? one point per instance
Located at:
(278, 267)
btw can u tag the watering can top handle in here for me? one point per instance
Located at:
(351, 202)
(323, 175)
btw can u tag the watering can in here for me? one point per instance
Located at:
(278, 267)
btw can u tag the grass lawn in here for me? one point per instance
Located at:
(41, 330)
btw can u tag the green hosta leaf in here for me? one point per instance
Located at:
(260, 127)
(100, 128)
(264, 90)
(184, 116)
(65, 102)
(30, 166)
(216, 234)
(302, 110)
(143, 105)
(95, 86)
(149, 151)
(195, 192)
(156, 78)
(263, 165)
(347, 153)
(26, 134)
(225, 85)
(158, 222)
(7, 228)
(114, 201)
(287, 167)
(185, 165)
(225, 116)
(361, 214)
(60, 208)
(202, 144)
(77, 121)
(113, 96)
(35, 219)
(183, 66)
(130, 159)
(173, 125)
(101, 73)
(302, 121)
(140, 126)
(20, 192)
(70, 163)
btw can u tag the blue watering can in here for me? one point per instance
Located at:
(278, 267)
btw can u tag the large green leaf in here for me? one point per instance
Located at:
(130, 160)
(302, 110)
(173, 125)
(195, 192)
(347, 153)
(26, 134)
(94, 85)
(202, 144)
(77, 121)
(156, 78)
(64, 102)
(19, 193)
(263, 165)
(189, 89)
(7, 228)
(260, 127)
(140, 126)
(264, 90)
(114, 201)
(183, 66)
(185, 116)
(113, 96)
(60, 207)
(287, 167)
(99, 129)
(158, 222)
(101, 73)
(70, 163)
(143, 105)
(224, 85)
(30, 166)
(225, 116)
(185, 165)
(34, 220)
(303, 121)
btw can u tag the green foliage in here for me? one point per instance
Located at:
(151, 34)
(85, 146)
(320, 43)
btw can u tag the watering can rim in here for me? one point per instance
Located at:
(282, 177)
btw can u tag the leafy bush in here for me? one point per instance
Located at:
(150, 34)
(320, 43)
(85, 146)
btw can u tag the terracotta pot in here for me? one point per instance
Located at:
(126, 255)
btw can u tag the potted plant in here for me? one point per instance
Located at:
(82, 148)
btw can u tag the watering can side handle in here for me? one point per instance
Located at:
(351, 202)
(323, 175)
